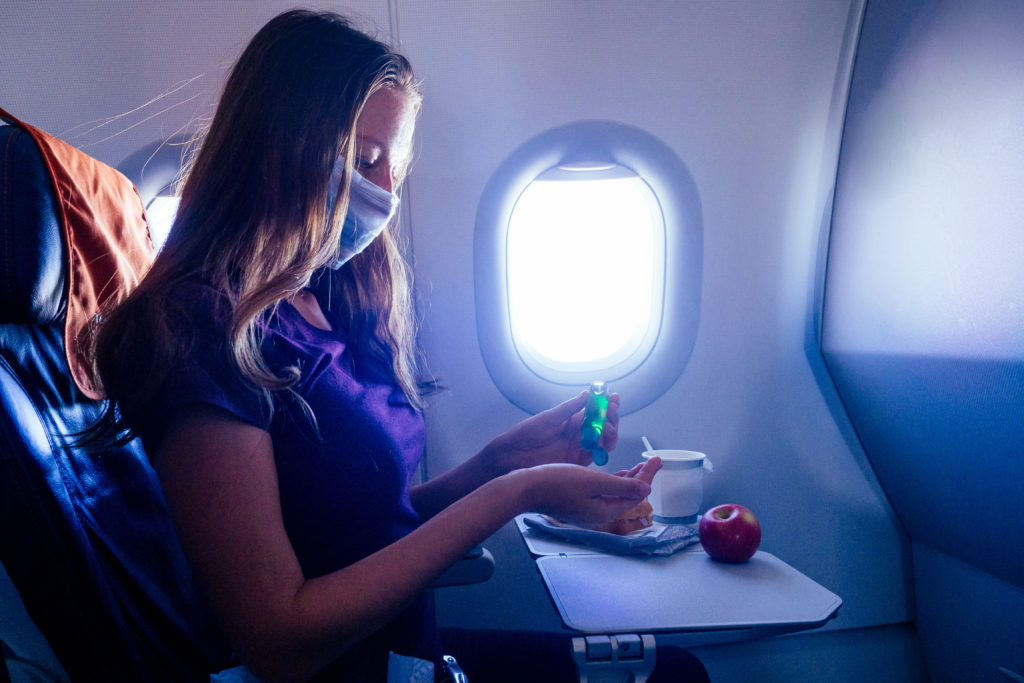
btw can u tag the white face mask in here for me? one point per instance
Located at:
(369, 209)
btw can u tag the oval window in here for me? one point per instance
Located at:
(584, 260)
(153, 169)
(160, 213)
(587, 266)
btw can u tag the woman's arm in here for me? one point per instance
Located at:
(548, 437)
(220, 480)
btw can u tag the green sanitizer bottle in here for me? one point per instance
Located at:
(594, 416)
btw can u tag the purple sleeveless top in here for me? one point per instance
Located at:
(345, 489)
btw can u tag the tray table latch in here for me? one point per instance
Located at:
(621, 658)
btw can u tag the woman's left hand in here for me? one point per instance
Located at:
(552, 436)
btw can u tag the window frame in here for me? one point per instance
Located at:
(641, 380)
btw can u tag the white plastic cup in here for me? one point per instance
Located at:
(678, 488)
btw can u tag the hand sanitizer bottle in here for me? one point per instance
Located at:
(594, 416)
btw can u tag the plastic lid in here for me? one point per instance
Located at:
(673, 458)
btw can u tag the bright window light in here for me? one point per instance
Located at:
(160, 213)
(587, 265)
(583, 252)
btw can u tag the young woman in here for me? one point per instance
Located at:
(268, 363)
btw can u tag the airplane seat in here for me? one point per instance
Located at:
(94, 584)
(87, 540)
(923, 311)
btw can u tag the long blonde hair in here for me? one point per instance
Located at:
(253, 217)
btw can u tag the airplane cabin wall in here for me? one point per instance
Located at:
(112, 77)
(744, 94)
(750, 95)
(923, 310)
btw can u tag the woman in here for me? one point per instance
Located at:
(267, 362)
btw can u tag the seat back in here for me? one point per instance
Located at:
(85, 533)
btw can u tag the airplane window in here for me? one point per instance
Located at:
(570, 229)
(153, 169)
(160, 213)
(587, 266)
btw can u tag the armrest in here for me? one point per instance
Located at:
(24, 652)
(476, 566)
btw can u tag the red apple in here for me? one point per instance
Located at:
(729, 533)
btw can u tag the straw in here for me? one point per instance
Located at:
(647, 444)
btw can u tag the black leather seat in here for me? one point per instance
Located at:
(85, 534)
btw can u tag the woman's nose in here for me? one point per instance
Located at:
(381, 177)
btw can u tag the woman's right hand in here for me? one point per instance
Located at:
(580, 495)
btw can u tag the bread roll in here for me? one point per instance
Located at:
(639, 516)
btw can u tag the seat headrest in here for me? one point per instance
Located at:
(73, 237)
(32, 253)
